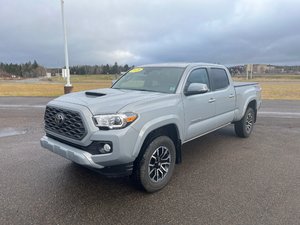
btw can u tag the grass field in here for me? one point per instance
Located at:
(275, 87)
(20, 89)
(86, 78)
(266, 78)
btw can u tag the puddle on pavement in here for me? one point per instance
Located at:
(9, 131)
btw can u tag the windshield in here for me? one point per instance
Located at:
(157, 79)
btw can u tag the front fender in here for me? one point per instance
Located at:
(153, 125)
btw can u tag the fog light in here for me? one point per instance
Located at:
(106, 148)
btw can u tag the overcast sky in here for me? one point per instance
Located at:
(143, 31)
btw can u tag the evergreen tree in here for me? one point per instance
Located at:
(35, 64)
(115, 69)
(126, 68)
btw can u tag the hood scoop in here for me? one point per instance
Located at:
(96, 94)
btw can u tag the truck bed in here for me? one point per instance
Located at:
(244, 92)
(242, 84)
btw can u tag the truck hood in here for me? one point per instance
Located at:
(108, 100)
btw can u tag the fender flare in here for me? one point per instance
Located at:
(153, 125)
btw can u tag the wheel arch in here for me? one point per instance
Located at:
(253, 104)
(171, 130)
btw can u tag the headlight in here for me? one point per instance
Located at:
(114, 121)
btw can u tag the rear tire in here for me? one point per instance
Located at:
(155, 168)
(244, 127)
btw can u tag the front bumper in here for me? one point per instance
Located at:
(74, 154)
(84, 158)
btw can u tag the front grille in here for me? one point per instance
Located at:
(64, 122)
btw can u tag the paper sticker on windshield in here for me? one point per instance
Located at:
(136, 70)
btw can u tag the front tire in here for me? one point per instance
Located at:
(155, 169)
(244, 127)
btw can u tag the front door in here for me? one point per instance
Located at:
(199, 109)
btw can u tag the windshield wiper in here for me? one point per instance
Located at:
(140, 89)
(143, 90)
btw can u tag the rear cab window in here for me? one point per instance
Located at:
(219, 78)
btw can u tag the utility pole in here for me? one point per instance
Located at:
(66, 72)
(249, 71)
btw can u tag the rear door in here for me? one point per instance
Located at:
(199, 109)
(224, 95)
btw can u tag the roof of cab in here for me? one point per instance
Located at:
(180, 64)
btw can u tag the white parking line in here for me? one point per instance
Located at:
(22, 106)
(9, 131)
(279, 114)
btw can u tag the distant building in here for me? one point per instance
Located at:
(260, 68)
(54, 71)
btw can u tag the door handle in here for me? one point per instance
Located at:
(231, 96)
(211, 100)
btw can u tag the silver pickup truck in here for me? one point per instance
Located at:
(137, 126)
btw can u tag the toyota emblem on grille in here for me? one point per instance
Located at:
(59, 119)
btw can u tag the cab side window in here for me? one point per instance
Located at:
(198, 76)
(219, 78)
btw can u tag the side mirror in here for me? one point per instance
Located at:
(196, 88)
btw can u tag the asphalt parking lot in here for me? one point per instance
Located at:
(223, 179)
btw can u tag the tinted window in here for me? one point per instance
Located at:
(198, 76)
(219, 79)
